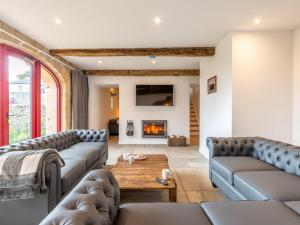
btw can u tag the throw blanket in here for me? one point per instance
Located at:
(22, 173)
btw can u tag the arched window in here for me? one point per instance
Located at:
(50, 102)
(29, 97)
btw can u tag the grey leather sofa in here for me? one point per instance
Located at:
(82, 151)
(95, 201)
(247, 168)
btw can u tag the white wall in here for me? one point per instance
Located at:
(94, 109)
(177, 116)
(255, 87)
(296, 87)
(262, 84)
(216, 108)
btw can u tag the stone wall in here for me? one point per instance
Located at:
(61, 71)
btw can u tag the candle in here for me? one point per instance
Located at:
(131, 159)
(165, 173)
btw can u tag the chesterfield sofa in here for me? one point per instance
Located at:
(82, 151)
(95, 201)
(247, 168)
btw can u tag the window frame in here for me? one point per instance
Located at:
(5, 52)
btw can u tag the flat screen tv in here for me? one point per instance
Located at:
(154, 95)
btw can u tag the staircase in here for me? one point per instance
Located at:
(194, 126)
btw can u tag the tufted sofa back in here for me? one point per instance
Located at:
(282, 155)
(95, 200)
(58, 141)
(235, 146)
(92, 135)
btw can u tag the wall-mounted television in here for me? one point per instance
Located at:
(154, 95)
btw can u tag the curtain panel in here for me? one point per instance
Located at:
(80, 100)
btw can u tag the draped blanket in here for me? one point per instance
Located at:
(22, 173)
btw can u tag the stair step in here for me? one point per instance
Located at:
(194, 128)
(194, 123)
(194, 133)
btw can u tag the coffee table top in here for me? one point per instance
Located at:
(141, 174)
(152, 157)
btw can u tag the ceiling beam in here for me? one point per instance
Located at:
(177, 52)
(141, 72)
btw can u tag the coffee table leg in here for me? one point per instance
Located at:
(173, 195)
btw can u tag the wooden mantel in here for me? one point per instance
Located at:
(142, 72)
(175, 52)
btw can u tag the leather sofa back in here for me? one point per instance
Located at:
(282, 155)
(92, 135)
(95, 200)
(58, 141)
(235, 146)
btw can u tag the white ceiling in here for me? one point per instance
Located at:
(129, 23)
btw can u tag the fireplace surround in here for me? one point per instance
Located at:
(154, 129)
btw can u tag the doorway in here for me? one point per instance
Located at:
(104, 109)
(25, 101)
(194, 114)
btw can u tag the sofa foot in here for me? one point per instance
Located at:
(215, 186)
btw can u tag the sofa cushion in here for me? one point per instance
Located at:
(263, 185)
(71, 173)
(294, 205)
(88, 151)
(226, 166)
(161, 214)
(249, 213)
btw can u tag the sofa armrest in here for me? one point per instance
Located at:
(231, 146)
(95, 200)
(53, 181)
(32, 211)
(93, 135)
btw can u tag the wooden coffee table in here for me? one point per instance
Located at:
(141, 175)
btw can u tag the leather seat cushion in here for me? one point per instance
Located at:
(263, 185)
(88, 151)
(71, 173)
(227, 166)
(161, 214)
(294, 205)
(249, 213)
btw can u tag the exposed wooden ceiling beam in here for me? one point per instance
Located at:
(142, 72)
(177, 52)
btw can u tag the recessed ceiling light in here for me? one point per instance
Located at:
(57, 21)
(157, 20)
(257, 21)
(99, 62)
(153, 61)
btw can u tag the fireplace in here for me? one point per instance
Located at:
(154, 128)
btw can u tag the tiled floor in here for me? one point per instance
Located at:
(190, 169)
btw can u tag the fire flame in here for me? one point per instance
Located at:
(153, 129)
